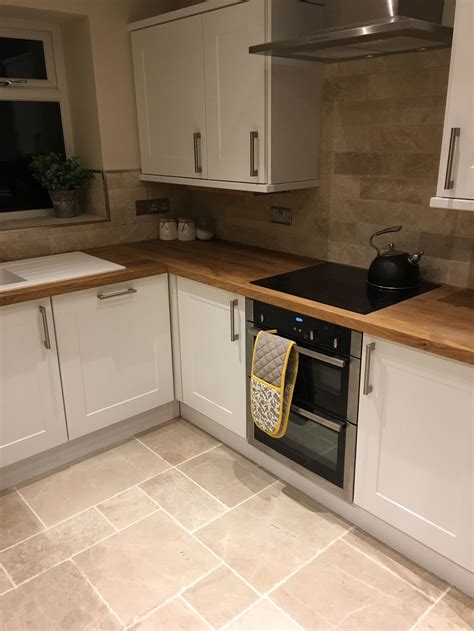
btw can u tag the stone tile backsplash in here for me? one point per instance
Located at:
(382, 122)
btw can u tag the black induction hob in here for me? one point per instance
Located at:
(341, 286)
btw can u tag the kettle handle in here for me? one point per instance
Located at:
(384, 231)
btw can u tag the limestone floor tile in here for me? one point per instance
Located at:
(5, 582)
(189, 504)
(220, 596)
(272, 534)
(178, 441)
(454, 612)
(58, 600)
(91, 481)
(17, 521)
(128, 507)
(430, 584)
(142, 566)
(227, 475)
(56, 544)
(263, 616)
(174, 616)
(342, 588)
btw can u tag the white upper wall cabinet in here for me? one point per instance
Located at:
(210, 114)
(414, 447)
(456, 171)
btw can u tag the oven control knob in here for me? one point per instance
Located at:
(335, 342)
(262, 317)
(311, 336)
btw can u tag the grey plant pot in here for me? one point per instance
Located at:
(66, 203)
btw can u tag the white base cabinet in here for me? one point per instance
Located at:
(212, 341)
(415, 447)
(115, 352)
(31, 403)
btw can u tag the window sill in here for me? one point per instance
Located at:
(50, 221)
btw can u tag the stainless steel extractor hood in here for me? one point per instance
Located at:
(367, 28)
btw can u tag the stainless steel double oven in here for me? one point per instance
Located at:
(320, 441)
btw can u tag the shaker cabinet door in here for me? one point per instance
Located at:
(31, 403)
(212, 339)
(414, 465)
(169, 83)
(115, 352)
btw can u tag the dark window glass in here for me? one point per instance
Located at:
(22, 58)
(26, 128)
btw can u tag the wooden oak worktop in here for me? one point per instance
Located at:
(440, 321)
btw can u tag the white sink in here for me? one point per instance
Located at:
(48, 269)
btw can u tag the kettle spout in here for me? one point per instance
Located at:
(414, 259)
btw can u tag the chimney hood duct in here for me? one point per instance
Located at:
(367, 28)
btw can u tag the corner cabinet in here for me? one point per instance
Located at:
(415, 446)
(114, 348)
(456, 173)
(210, 114)
(212, 342)
(31, 403)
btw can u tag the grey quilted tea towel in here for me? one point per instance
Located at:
(274, 371)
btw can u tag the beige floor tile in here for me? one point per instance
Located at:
(142, 566)
(128, 507)
(189, 504)
(178, 441)
(227, 475)
(406, 569)
(272, 534)
(58, 600)
(17, 521)
(69, 491)
(174, 616)
(454, 612)
(220, 596)
(54, 545)
(5, 582)
(342, 588)
(263, 616)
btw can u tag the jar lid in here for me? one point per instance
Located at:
(167, 220)
(186, 220)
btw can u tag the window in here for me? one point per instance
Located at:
(34, 112)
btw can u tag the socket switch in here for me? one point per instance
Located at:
(280, 214)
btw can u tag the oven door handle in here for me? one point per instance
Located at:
(334, 425)
(327, 359)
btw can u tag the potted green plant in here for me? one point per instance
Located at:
(62, 177)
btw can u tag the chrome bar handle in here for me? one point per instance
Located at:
(44, 319)
(233, 335)
(114, 294)
(197, 152)
(253, 142)
(449, 182)
(369, 349)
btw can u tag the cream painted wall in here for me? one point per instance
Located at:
(115, 119)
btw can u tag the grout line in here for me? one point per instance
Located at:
(32, 509)
(174, 466)
(430, 608)
(389, 570)
(123, 625)
(7, 573)
(186, 602)
(204, 489)
(106, 518)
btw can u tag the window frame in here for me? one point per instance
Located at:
(46, 37)
(41, 90)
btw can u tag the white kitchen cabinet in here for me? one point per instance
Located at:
(456, 171)
(169, 81)
(415, 447)
(114, 347)
(262, 114)
(31, 404)
(212, 341)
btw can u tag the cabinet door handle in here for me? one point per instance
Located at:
(114, 294)
(253, 143)
(233, 335)
(197, 152)
(449, 182)
(44, 319)
(369, 349)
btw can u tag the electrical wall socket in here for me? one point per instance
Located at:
(152, 206)
(280, 214)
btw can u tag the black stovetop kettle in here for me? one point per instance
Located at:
(394, 269)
